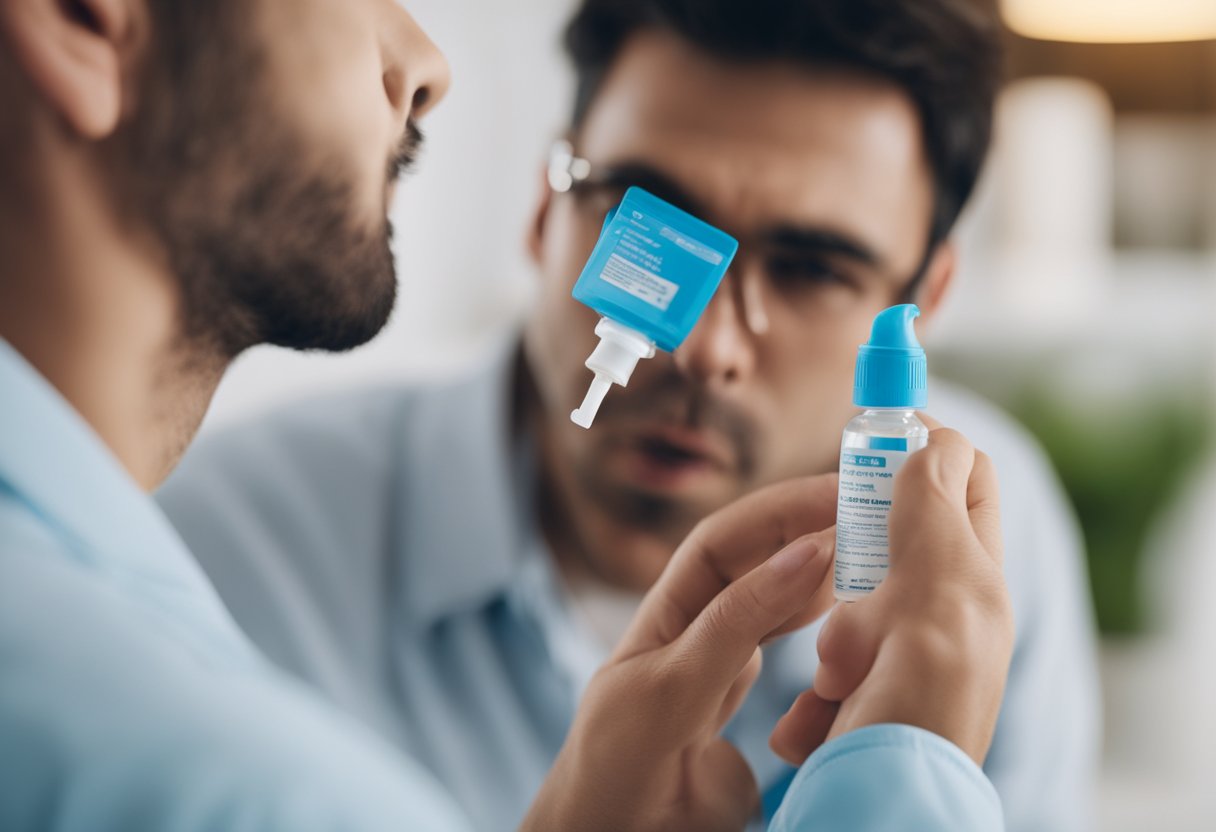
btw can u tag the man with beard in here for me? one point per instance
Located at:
(185, 180)
(453, 563)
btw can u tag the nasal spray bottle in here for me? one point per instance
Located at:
(650, 277)
(890, 383)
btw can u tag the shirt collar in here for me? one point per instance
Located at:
(59, 468)
(466, 495)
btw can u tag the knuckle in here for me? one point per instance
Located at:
(740, 608)
(668, 679)
(951, 439)
(970, 622)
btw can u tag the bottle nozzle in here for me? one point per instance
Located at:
(891, 370)
(618, 352)
(893, 327)
(585, 415)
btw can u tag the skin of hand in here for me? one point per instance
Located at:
(644, 752)
(931, 646)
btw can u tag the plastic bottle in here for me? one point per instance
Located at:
(650, 276)
(890, 382)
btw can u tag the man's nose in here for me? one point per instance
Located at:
(720, 350)
(416, 74)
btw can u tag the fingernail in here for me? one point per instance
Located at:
(793, 557)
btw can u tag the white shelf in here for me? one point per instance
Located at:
(1161, 303)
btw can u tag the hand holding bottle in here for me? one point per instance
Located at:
(644, 751)
(930, 647)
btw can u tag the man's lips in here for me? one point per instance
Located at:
(681, 448)
(686, 444)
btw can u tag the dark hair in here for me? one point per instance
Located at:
(944, 54)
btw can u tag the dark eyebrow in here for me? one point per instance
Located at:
(821, 241)
(805, 239)
(650, 178)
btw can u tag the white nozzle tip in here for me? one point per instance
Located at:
(585, 415)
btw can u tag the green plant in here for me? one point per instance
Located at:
(1121, 467)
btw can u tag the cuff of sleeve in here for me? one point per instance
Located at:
(876, 775)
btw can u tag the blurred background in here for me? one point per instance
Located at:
(1086, 307)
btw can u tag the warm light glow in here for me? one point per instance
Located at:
(1112, 21)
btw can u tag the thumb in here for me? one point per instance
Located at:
(848, 643)
(929, 513)
(803, 728)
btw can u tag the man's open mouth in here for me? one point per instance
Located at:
(670, 453)
(668, 457)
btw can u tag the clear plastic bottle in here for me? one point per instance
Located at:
(891, 385)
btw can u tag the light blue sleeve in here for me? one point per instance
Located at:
(889, 777)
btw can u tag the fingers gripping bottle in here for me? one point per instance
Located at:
(890, 382)
(650, 277)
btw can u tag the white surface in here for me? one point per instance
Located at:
(1160, 727)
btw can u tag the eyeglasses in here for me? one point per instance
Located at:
(565, 168)
(789, 277)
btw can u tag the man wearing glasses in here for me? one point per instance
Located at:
(452, 564)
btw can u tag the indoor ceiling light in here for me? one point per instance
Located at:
(1112, 21)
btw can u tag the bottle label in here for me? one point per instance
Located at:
(642, 284)
(654, 268)
(867, 483)
(644, 247)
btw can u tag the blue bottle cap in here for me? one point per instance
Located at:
(891, 368)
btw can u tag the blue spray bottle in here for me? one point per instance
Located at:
(650, 277)
(891, 383)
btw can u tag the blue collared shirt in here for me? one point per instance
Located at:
(383, 546)
(129, 700)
